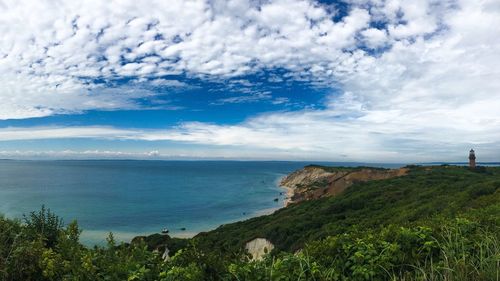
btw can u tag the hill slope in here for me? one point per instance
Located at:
(422, 193)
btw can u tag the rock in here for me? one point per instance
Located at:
(258, 247)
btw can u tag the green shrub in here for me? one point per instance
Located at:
(44, 224)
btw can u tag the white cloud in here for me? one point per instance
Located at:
(374, 37)
(16, 133)
(434, 90)
(51, 52)
(86, 154)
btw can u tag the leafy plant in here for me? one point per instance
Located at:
(44, 224)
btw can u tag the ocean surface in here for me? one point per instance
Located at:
(131, 198)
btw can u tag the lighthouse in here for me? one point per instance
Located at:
(472, 159)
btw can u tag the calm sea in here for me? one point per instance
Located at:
(132, 198)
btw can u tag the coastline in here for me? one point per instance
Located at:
(287, 195)
(98, 237)
(289, 192)
(104, 203)
(91, 238)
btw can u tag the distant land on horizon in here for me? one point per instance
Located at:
(350, 163)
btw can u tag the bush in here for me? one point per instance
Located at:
(44, 224)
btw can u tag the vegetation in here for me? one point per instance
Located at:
(406, 201)
(457, 250)
(436, 223)
(344, 168)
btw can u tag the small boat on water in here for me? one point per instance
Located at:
(164, 231)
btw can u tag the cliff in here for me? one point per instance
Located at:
(314, 182)
(366, 204)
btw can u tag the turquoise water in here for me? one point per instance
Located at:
(131, 198)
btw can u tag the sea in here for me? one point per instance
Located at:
(134, 197)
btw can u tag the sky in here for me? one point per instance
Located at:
(355, 80)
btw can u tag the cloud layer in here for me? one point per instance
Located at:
(417, 79)
(63, 56)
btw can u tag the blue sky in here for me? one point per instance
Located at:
(223, 102)
(369, 80)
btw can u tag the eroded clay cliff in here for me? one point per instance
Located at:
(314, 182)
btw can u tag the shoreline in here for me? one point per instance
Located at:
(98, 237)
(289, 192)
(287, 195)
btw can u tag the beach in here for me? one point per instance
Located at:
(289, 192)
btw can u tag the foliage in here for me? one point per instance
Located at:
(457, 250)
(408, 200)
(439, 223)
(45, 225)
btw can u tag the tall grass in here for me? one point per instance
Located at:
(461, 250)
(461, 258)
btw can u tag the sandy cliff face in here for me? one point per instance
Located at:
(314, 182)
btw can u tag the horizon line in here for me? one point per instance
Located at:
(252, 160)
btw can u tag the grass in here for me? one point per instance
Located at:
(423, 193)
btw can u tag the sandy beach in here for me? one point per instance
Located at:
(289, 192)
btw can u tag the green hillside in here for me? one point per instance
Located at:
(435, 223)
(408, 200)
